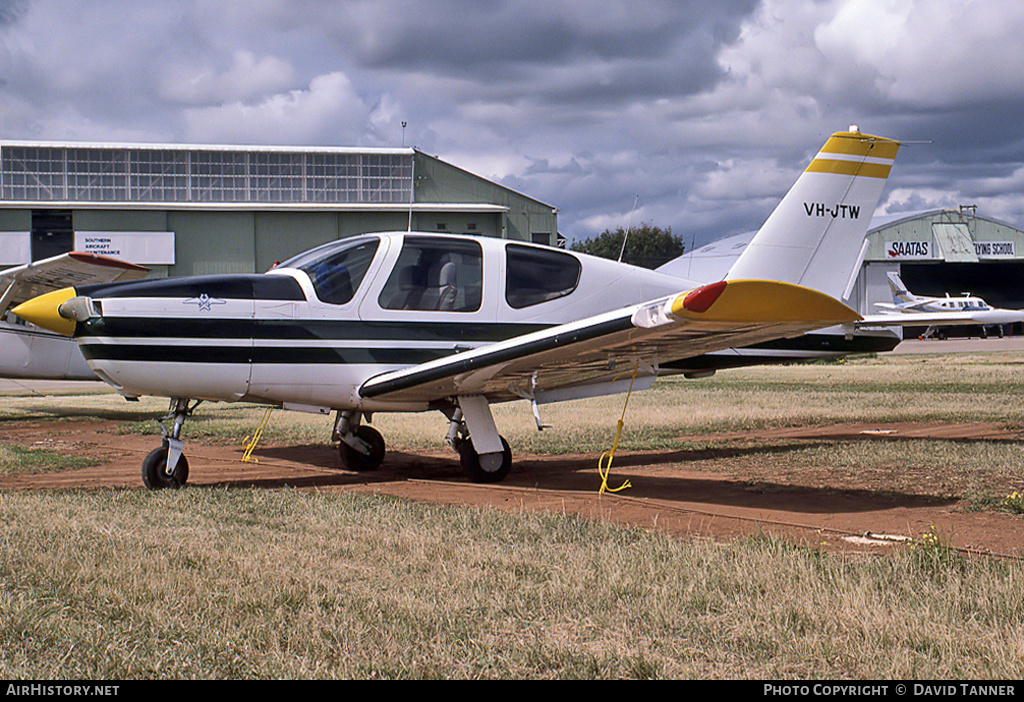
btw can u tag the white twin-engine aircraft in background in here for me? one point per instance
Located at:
(26, 351)
(409, 322)
(979, 311)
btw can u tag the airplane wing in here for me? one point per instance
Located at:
(906, 307)
(72, 269)
(944, 319)
(601, 353)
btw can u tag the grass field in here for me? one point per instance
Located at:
(239, 583)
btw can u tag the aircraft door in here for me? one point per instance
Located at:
(432, 274)
(429, 300)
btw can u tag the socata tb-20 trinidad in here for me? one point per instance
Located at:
(410, 322)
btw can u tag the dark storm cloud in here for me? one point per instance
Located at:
(613, 50)
(11, 11)
(697, 114)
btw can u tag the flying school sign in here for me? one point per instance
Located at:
(995, 249)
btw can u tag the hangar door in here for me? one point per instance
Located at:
(52, 233)
(996, 281)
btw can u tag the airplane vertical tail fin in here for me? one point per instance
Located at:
(815, 236)
(900, 294)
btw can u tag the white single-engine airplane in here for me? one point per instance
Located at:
(26, 351)
(408, 322)
(979, 311)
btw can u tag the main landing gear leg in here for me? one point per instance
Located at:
(362, 447)
(166, 467)
(484, 454)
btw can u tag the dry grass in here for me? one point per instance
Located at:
(222, 583)
(232, 584)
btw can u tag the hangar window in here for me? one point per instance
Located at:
(336, 271)
(33, 174)
(539, 275)
(277, 177)
(435, 273)
(98, 175)
(158, 175)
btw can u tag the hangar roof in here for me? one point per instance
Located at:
(929, 235)
(954, 235)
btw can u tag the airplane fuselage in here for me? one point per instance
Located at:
(284, 338)
(29, 352)
(410, 322)
(979, 311)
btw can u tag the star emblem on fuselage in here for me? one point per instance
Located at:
(204, 302)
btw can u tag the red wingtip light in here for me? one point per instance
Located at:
(702, 298)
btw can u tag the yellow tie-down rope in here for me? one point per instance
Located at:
(250, 442)
(605, 469)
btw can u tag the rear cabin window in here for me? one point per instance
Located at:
(336, 274)
(435, 273)
(538, 275)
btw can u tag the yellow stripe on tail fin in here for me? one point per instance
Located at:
(815, 236)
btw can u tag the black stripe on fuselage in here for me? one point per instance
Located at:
(299, 329)
(244, 355)
(860, 343)
(225, 287)
(825, 345)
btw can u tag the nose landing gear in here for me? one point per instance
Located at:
(166, 467)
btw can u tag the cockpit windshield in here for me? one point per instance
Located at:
(336, 269)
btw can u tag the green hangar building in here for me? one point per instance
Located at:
(190, 210)
(943, 251)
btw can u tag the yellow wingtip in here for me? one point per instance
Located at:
(743, 301)
(44, 311)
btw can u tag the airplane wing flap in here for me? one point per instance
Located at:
(713, 317)
(71, 269)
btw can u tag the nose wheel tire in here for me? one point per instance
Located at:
(354, 459)
(492, 469)
(154, 471)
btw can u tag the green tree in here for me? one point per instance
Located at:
(647, 246)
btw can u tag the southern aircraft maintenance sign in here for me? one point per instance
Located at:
(143, 248)
(908, 249)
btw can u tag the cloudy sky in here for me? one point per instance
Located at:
(699, 113)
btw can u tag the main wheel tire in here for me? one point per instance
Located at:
(470, 461)
(154, 471)
(353, 459)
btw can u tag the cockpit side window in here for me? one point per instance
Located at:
(337, 273)
(538, 275)
(435, 273)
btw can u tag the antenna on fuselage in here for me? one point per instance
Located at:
(625, 236)
(412, 182)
